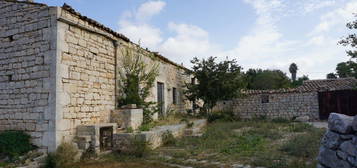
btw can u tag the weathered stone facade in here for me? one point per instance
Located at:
(277, 105)
(338, 146)
(58, 70)
(27, 70)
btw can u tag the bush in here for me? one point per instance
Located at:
(221, 116)
(138, 147)
(15, 143)
(168, 138)
(280, 120)
(65, 156)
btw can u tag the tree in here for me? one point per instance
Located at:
(351, 39)
(349, 68)
(346, 69)
(215, 81)
(300, 81)
(136, 78)
(259, 79)
(293, 70)
(331, 76)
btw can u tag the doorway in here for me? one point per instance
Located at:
(161, 98)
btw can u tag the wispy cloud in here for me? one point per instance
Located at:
(265, 46)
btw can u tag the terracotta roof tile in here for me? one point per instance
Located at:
(312, 86)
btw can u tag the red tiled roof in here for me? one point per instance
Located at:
(329, 84)
(312, 86)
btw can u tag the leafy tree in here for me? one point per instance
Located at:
(331, 76)
(300, 81)
(136, 78)
(215, 81)
(259, 79)
(346, 69)
(349, 68)
(351, 39)
(293, 70)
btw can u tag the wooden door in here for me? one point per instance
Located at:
(342, 101)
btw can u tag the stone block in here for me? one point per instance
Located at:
(126, 118)
(329, 157)
(340, 123)
(331, 140)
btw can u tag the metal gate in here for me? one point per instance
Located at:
(342, 101)
(161, 98)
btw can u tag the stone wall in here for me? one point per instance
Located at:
(278, 105)
(86, 77)
(338, 146)
(87, 58)
(27, 70)
(58, 71)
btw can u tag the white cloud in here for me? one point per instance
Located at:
(314, 5)
(265, 46)
(135, 24)
(149, 9)
(336, 18)
(190, 41)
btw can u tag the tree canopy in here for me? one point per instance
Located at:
(259, 79)
(349, 68)
(215, 81)
(293, 68)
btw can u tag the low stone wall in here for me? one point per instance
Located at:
(339, 144)
(154, 136)
(278, 105)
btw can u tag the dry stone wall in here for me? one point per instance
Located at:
(338, 146)
(283, 105)
(27, 71)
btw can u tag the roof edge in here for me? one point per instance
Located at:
(25, 2)
(116, 34)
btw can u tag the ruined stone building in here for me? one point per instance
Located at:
(315, 99)
(58, 70)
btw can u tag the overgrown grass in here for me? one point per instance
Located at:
(259, 142)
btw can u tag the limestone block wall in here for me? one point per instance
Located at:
(338, 146)
(282, 105)
(27, 70)
(86, 75)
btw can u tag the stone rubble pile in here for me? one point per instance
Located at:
(339, 144)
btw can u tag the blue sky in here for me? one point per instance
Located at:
(257, 33)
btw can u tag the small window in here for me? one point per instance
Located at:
(9, 78)
(193, 81)
(265, 98)
(174, 96)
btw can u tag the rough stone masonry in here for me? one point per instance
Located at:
(58, 71)
(339, 144)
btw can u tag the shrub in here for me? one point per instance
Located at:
(168, 138)
(137, 147)
(15, 143)
(221, 116)
(65, 156)
(147, 126)
(280, 120)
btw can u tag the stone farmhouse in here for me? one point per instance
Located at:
(58, 71)
(315, 99)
